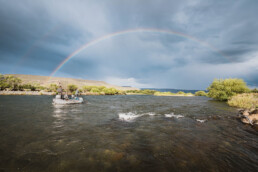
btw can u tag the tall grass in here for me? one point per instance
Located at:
(246, 101)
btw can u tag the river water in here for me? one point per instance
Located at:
(124, 133)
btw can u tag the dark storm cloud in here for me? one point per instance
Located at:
(143, 13)
(36, 36)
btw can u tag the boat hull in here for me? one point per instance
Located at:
(69, 101)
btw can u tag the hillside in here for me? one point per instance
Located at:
(46, 81)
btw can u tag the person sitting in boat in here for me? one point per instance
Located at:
(66, 96)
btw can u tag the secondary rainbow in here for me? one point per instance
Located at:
(151, 30)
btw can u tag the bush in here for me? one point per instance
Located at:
(95, 90)
(87, 88)
(4, 85)
(28, 87)
(200, 93)
(246, 101)
(110, 91)
(254, 90)
(180, 92)
(52, 88)
(158, 93)
(40, 88)
(11, 82)
(148, 92)
(189, 94)
(223, 90)
(145, 91)
(72, 88)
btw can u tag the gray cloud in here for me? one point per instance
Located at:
(36, 36)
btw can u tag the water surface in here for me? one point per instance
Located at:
(124, 133)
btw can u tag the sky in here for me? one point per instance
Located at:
(182, 44)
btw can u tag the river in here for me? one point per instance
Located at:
(124, 133)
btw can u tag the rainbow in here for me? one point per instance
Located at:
(124, 32)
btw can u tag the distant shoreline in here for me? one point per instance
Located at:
(38, 93)
(164, 95)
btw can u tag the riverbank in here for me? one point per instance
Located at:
(248, 104)
(249, 116)
(32, 93)
(35, 93)
(173, 94)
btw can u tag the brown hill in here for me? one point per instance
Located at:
(46, 81)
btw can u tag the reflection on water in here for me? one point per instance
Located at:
(124, 133)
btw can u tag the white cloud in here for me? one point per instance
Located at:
(126, 82)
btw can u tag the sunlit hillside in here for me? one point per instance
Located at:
(46, 81)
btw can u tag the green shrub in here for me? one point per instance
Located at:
(180, 92)
(10, 82)
(246, 101)
(158, 93)
(52, 88)
(72, 87)
(95, 90)
(4, 86)
(87, 88)
(254, 90)
(189, 94)
(200, 93)
(223, 90)
(148, 92)
(29, 87)
(40, 88)
(145, 91)
(110, 91)
(20, 87)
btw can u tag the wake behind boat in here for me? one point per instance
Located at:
(74, 100)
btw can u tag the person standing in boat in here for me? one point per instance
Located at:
(77, 92)
(59, 91)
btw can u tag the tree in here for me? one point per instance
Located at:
(223, 90)
(72, 88)
(12, 82)
(2, 82)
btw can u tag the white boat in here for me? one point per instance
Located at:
(75, 100)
